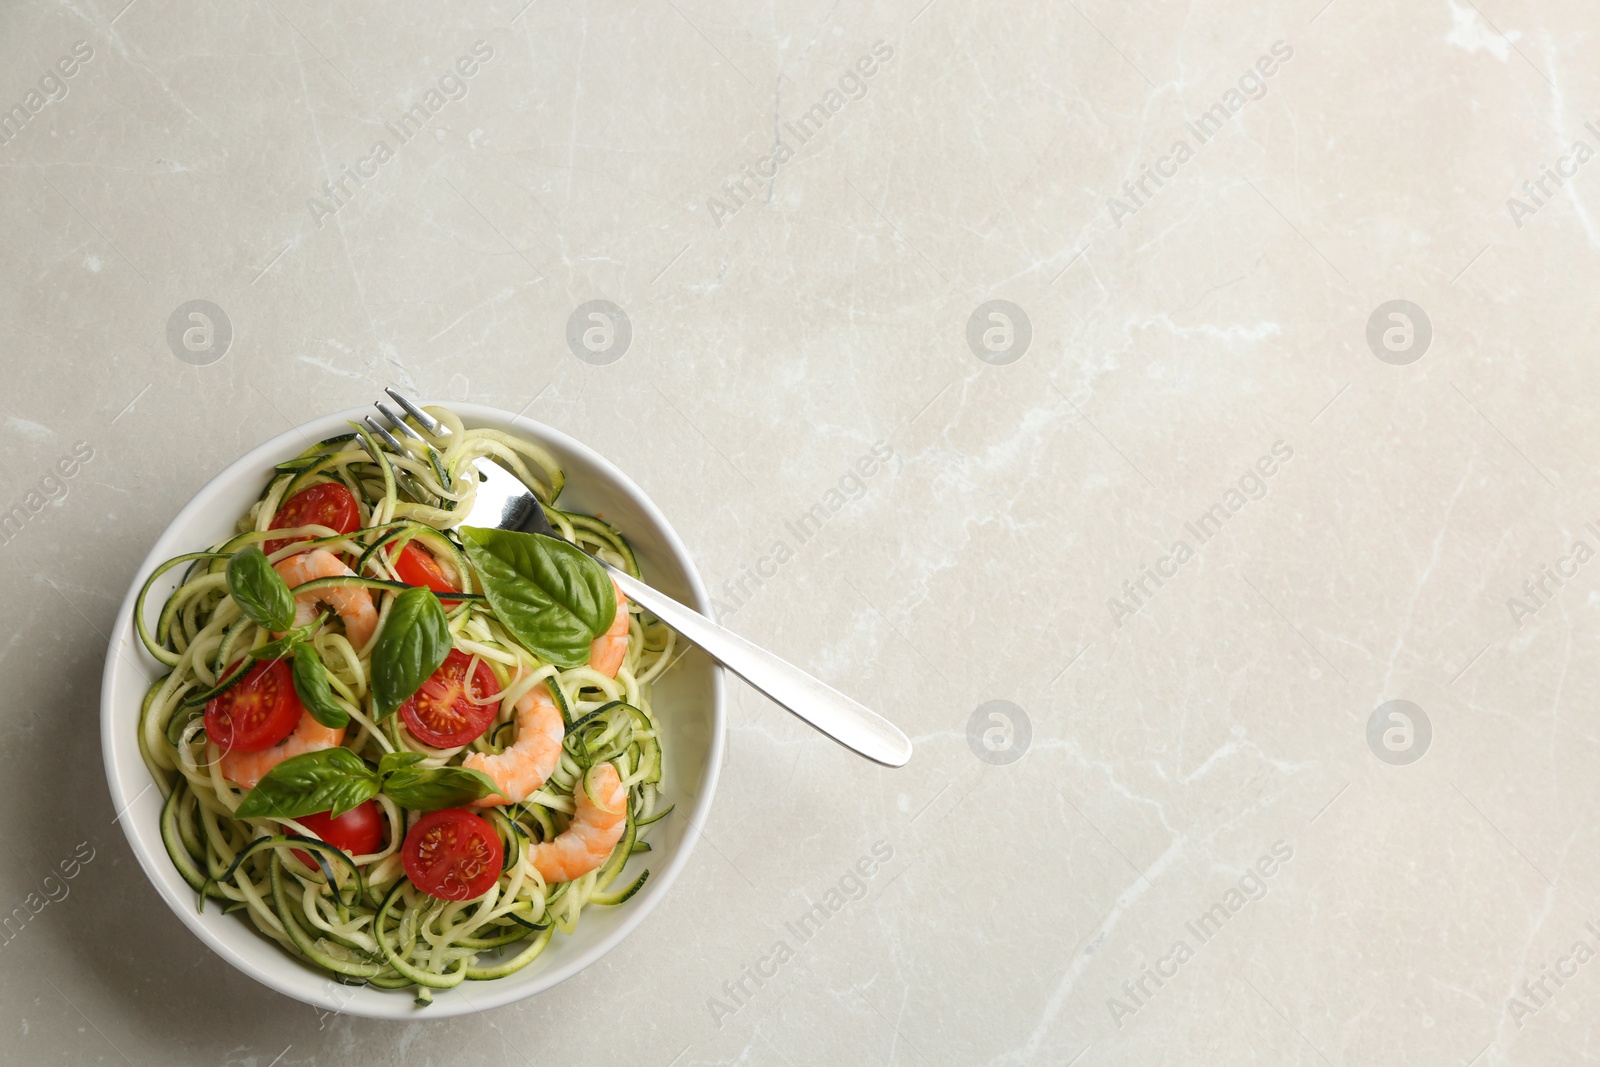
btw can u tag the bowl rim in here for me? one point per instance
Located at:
(297, 980)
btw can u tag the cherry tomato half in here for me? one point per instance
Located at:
(416, 566)
(324, 504)
(453, 855)
(358, 831)
(258, 712)
(440, 713)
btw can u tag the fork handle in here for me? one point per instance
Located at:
(851, 724)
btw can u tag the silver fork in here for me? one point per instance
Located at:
(504, 502)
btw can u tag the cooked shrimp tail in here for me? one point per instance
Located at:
(353, 605)
(522, 768)
(595, 829)
(245, 769)
(611, 648)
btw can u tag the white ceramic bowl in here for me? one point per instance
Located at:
(688, 702)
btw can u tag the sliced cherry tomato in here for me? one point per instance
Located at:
(416, 566)
(258, 712)
(453, 855)
(324, 504)
(358, 831)
(440, 713)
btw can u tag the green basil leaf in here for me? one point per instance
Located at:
(311, 686)
(414, 641)
(279, 648)
(285, 644)
(554, 597)
(330, 779)
(260, 591)
(394, 761)
(442, 787)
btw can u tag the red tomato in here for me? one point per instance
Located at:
(440, 713)
(324, 504)
(453, 855)
(416, 566)
(358, 831)
(258, 712)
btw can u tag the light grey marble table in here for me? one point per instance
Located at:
(1133, 401)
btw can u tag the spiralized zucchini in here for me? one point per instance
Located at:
(359, 918)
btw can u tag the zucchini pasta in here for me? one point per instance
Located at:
(406, 749)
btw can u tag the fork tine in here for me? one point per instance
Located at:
(426, 421)
(383, 435)
(429, 423)
(398, 422)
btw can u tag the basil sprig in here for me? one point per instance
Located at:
(554, 597)
(282, 647)
(286, 644)
(394, 761)
(414, 642)
(438, 787)
(331, 779)
(312, 687)
(260, 591)
(335, 780)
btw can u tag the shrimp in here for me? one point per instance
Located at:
(521, 769)
(594, 831)
(610, 648)
(353, 605)
(245, 769)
